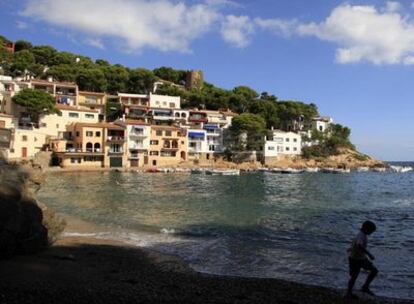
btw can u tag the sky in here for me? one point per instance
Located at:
(352, 58)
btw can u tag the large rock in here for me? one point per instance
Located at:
(25, 227)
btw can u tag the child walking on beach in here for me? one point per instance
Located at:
(358, 258)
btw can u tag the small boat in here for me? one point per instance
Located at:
(362, 169)
(166, 170)
(263, 169)
(311, 170)
(197, 171)
(401, 169)
(335, 170)
(379, 169)
(223, 172)
(291, 171)
(152, 170)
(276, 170)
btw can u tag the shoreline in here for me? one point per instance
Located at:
(114, 271)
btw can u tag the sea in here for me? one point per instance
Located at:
(296, 227)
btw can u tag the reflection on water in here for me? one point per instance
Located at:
(294, 227)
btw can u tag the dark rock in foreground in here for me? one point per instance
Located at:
(25, 226)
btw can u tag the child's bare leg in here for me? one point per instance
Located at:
(372, 274)
(351, 282)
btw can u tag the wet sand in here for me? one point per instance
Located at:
(90, 270)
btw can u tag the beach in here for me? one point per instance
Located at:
(93, 270)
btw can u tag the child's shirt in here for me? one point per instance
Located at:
(355, 251)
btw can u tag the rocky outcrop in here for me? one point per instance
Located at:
(25, 226)
(346, 158)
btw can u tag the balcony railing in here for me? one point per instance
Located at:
(138, 134)
(115, 151)
(115, 138)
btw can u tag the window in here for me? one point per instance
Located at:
(157, 103)
(24, 138)
(57, 126)
(75, 160)
(295, 140)
(164, 103)
(271, 148)
(154, 142)
(167, 133)
(98, 134)
(59, 114)
(35, 139)
(43, 125)
(88, 134)
(320, 128)
(287, 139)
(90, 116)
(154, 153)
(172, 105)
(287, 149)
(73, 115)
(295, 149)
(158, 133)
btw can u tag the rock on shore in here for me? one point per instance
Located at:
(25, 225)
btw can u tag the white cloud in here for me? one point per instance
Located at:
(277, 26)
(237, 30)
(393, 6)
(365, 34)
(165, 25)
(96, 42)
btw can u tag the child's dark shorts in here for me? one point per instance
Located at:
(355, 266)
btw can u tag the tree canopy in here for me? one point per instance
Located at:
(35, 102)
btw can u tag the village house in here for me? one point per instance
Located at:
(168, 146)
(281, 143)
(197, 144)
(138, 141)
(99, 145)
(93, 101)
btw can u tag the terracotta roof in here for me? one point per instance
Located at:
(70, 108)
(99, 125)
(160, 127)
(91, 93)
(42, 81)
(135, 122)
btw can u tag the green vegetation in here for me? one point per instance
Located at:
(35, 102)
(329, 142)
(248, 132)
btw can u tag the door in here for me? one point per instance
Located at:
(134, 162)
(2, 124)
(24, 152)
(115, 162)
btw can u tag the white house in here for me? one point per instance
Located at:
(282, 143)
(321, 123)
(197, 143)
(164, 101)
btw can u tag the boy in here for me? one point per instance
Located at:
(358, 258)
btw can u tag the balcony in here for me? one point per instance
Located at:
(133, 146)
(138, 134)
(133, 156)
(115, 151)
(198, 119)
(115, 139)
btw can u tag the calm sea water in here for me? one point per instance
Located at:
(294, 227)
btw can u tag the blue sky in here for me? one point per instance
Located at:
(353, 59)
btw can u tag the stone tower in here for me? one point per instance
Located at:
(194, 80)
